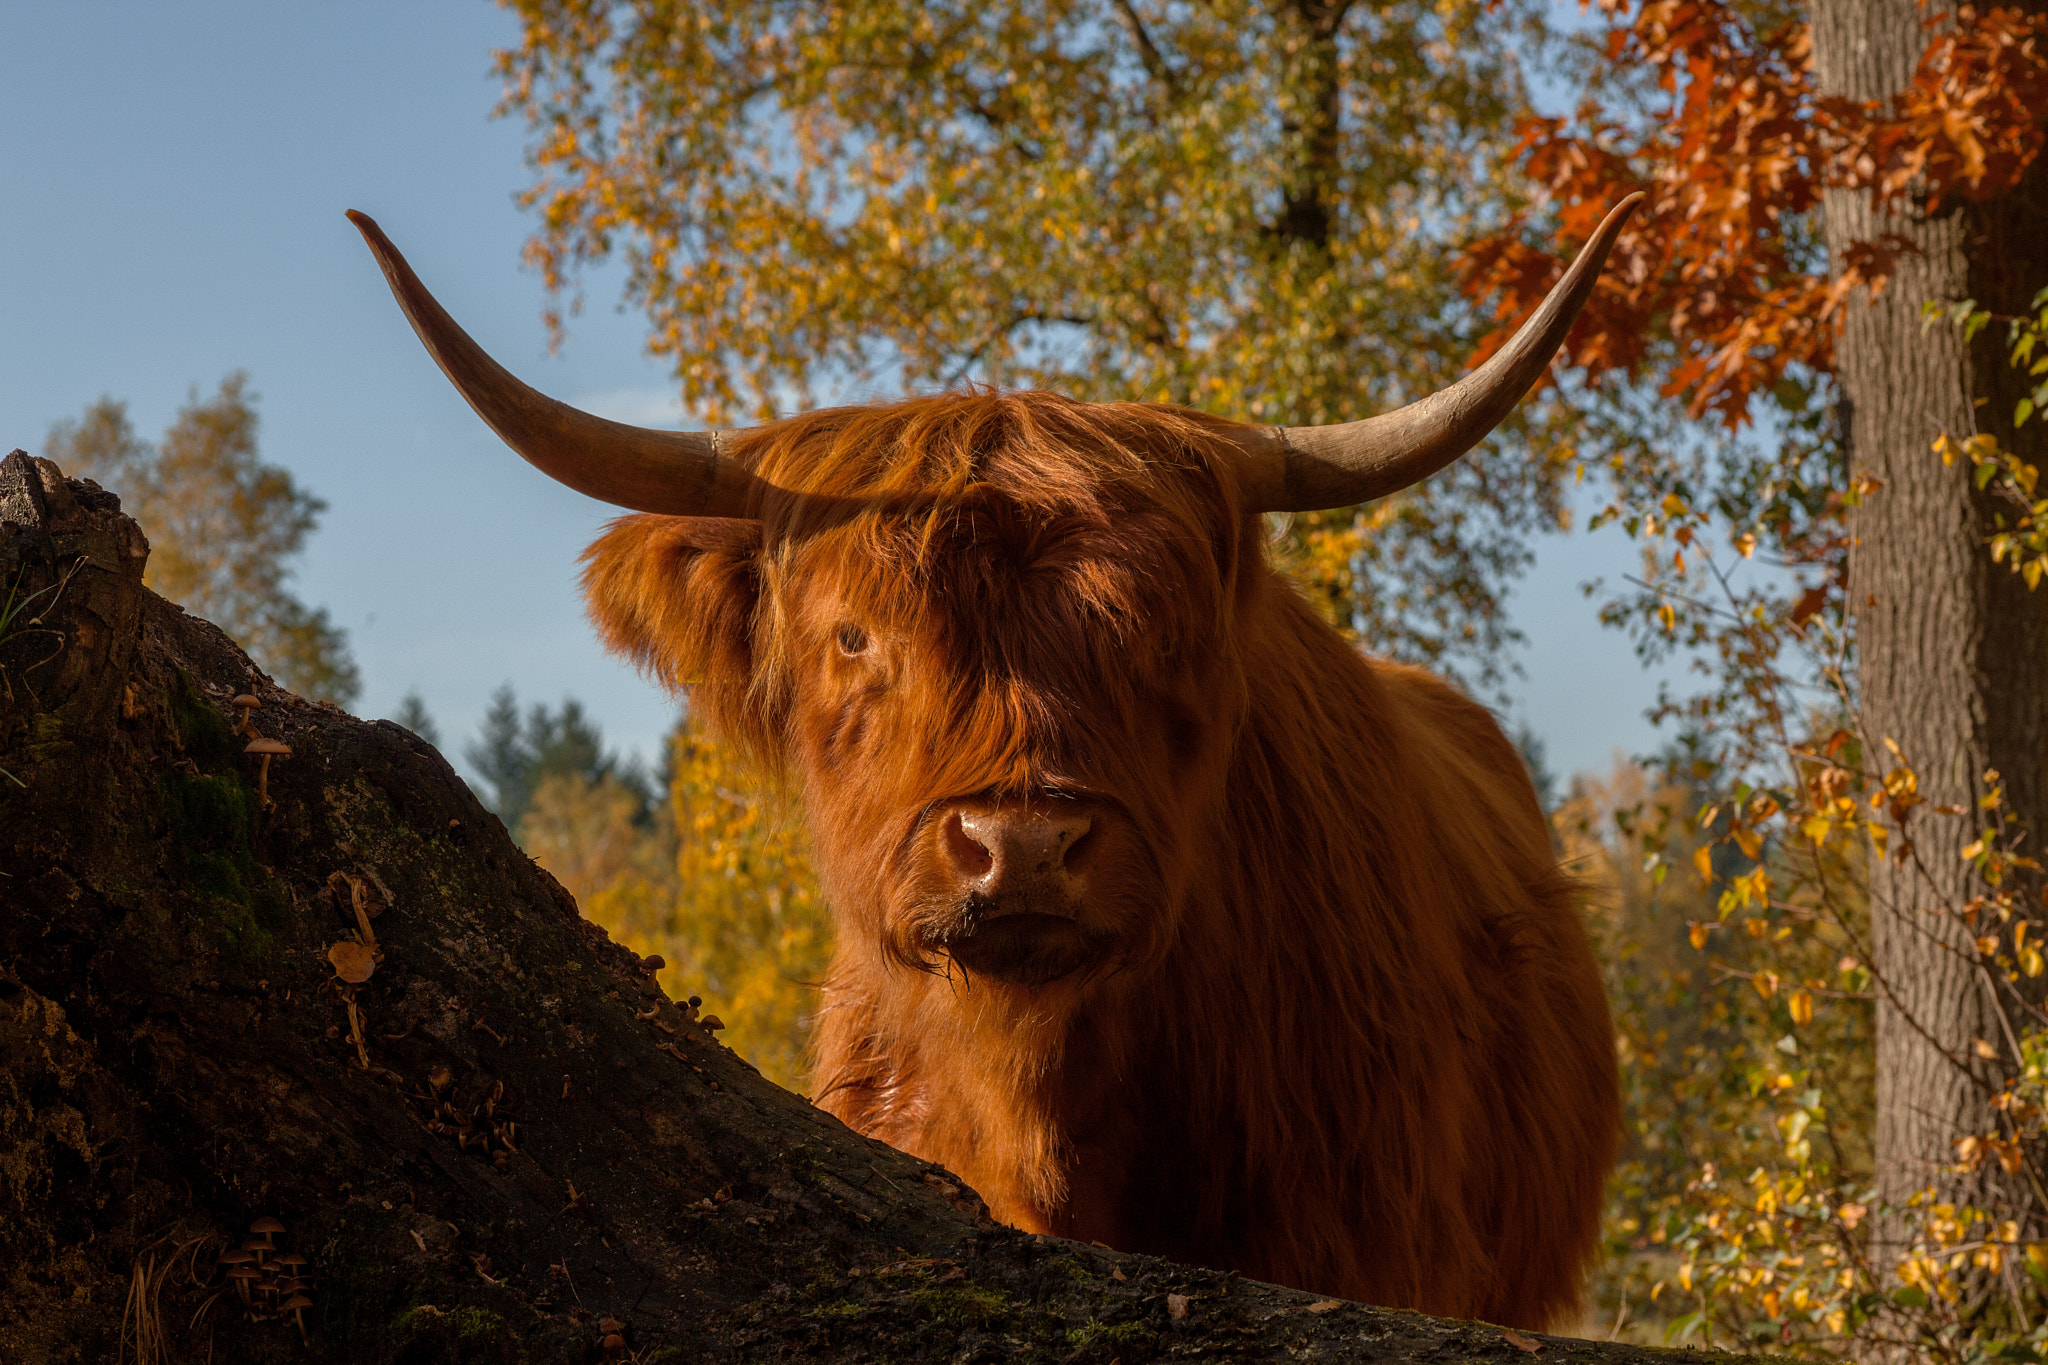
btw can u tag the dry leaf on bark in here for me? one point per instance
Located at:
(352, 962)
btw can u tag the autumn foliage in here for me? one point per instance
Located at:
(1720, 272)
(1728, 296)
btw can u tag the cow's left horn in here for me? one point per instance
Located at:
(1305, 469)
(677, 472)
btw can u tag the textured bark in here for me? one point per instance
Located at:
(1951, 646)
(177, 1062)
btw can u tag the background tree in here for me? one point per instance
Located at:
(1954, 648)
(413, 715)
(717, 881)
(1249, 207)
(515, 753)
(1818, 179)
(223, 528)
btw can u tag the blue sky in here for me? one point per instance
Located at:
(173, 185)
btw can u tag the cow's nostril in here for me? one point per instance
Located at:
(969, 853)
(1076, 843)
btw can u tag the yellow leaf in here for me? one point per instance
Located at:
(352, 962)
(1973, 851)
(2030, 961)
(1766, 983)
(1816, 828)
(1703, 859)
(1698, 934)
(1987, 945)
(1746, 839)
(1801, 1006)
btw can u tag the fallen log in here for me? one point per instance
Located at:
(302, 1059)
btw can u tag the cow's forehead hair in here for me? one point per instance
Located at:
(1115, 498)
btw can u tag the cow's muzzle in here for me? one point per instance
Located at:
(1018, 870)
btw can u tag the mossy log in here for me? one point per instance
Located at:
(505, 1144)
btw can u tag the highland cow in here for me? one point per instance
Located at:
(1164, 916)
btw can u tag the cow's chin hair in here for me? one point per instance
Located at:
(1026, 951)
(1030, 950)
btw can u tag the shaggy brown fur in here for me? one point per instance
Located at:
(1341, 1027)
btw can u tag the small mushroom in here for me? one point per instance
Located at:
(292, 1259)
(712, 1022)
(652, 963)
(297, 1305)
(265, 749)
(246, 704)
(241, 1275)
(613, 1344)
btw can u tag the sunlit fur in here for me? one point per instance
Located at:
(1344, 1031)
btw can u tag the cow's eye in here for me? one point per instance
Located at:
(852, 640)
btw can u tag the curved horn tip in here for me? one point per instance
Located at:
(676, 473)
(1298, 469)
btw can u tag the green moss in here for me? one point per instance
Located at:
(208, 739)
(965, 1306)
(460, 1336)
(209, 823)
(478, 1324)
(1111, 1336)
(209, 820)
(841, 1308)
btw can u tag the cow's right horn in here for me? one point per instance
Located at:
(1306, 469)
(676, 472)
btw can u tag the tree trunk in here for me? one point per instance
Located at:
(1951, 646)
(506, 1144)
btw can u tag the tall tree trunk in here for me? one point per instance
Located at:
(1952, 647)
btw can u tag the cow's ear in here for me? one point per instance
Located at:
(677, 596)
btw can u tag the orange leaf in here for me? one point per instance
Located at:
(352, 961)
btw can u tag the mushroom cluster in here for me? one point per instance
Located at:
(492, 1133)
(269, 1283)
(614, 1342)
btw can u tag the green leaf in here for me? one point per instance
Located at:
(1911, 1296)
(1681, 1328)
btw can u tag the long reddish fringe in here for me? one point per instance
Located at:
(1354, 1039)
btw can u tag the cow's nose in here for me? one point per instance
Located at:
(1017, 848)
